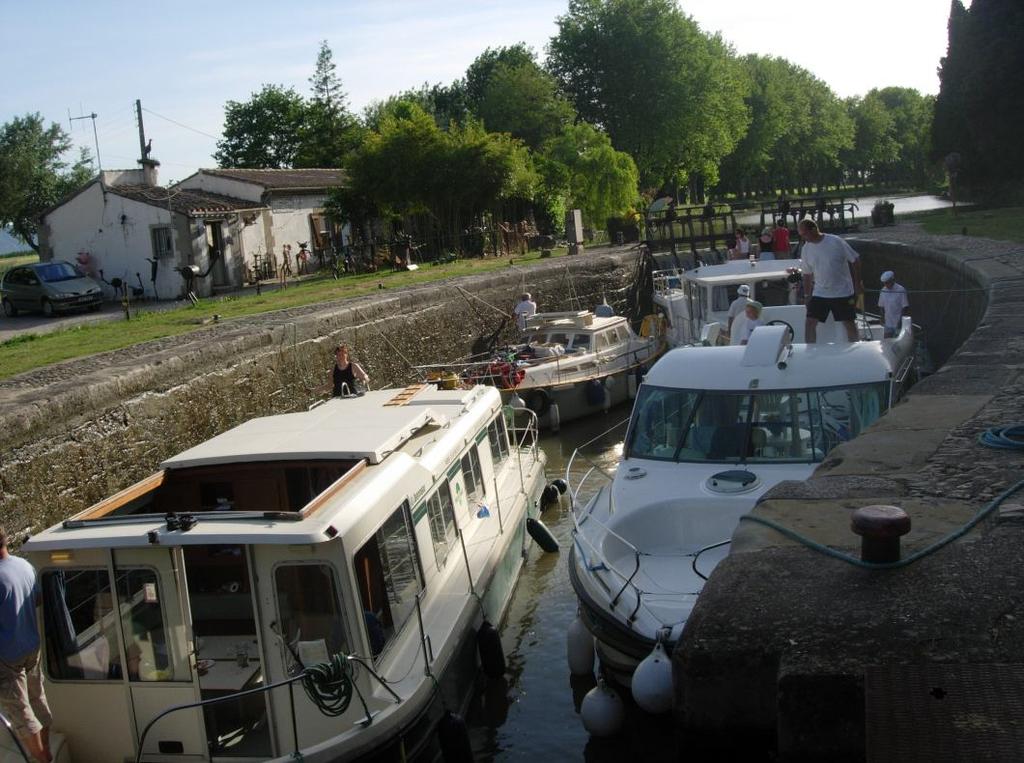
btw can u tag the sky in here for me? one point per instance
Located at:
(185, 59)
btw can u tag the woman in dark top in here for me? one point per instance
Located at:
(346, 372)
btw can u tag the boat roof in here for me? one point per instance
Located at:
(805, 366)
(741, 271)
(412, 435)
(580, 321)
(342, 428)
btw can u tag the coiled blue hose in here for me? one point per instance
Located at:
(1007, 438)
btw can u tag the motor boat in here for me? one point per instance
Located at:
(696, 303)
(305, 586)
(566, 365)
(713, 428)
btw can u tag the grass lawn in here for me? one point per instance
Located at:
(12, 260)
(30, 351)
(1005, 224)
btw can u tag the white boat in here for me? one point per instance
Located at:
(696, 302)
(370, 536)
(567, 364)
(712, 429)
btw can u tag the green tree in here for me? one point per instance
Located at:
(263, 132)
(523, 100)
(641, 70)
(479, 73)
(980, 105)
(594, 177)
(34, 174)
(445, 103)
(911, 114)
(328, 130)
(769, 101)
(874, 143)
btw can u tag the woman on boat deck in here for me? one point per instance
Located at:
(345, 372)
(753, 312)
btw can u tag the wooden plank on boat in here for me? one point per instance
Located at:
(108, 505)
(407, 394)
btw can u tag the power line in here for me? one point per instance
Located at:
(174, 121)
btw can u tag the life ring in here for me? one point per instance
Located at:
(538, 401)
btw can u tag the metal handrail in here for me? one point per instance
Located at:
(15, 737)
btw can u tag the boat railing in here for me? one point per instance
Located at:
(289, 682)
(667, 279)
(524, 437)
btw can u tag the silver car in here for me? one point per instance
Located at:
(49, 287)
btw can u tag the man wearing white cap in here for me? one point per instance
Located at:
(893, 302)
(738, 305)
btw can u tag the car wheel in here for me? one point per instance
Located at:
(9, 309)
(47, 308)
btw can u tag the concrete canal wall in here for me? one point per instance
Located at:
(76, 432)
(824, 660)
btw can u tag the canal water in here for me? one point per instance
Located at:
(534, 715)
(902, 205)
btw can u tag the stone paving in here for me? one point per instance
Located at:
(781, 637)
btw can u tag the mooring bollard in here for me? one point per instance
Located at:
(880, 529)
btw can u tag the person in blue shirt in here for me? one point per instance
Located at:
(21, 686)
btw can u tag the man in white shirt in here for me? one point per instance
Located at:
(525, 310)
(738, 305)
(893, 302)
(831, 280)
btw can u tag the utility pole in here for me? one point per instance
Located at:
(95, 136)
(143, 153)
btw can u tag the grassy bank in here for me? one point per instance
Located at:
(1006, 224)
(31, 351)
(13, 259)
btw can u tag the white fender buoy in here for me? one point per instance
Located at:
(631, 385)
(553, 417)
(602, 710)
(652, 682)
(580, 647)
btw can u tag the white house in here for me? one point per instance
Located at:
(220, 223)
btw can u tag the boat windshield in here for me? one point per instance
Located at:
(671, 424)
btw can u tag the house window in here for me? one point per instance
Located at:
(472, 475)
(163, 242)
(388, 570)
(498, 436)
(441, 514)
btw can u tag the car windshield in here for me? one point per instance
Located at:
(765, 426)
(51, 272)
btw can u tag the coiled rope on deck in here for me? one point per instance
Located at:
(1006, 438)
(329, 685)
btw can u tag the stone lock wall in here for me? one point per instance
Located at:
(81, 431)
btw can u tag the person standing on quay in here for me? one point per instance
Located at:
(21, 683)
(831, 280)
(893, 302)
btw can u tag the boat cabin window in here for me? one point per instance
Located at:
(388, 570)
(472, 475)
(498, 436)
(603, 340)
(581, 342)
(791, 425)
(722, 297)
(308, 611)
(80, 617)
(558, 338)
(264, 486)
(441, 516)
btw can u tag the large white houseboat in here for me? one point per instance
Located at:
(712, 429)
(361, 543)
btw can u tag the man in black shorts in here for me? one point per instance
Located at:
(832, 281)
